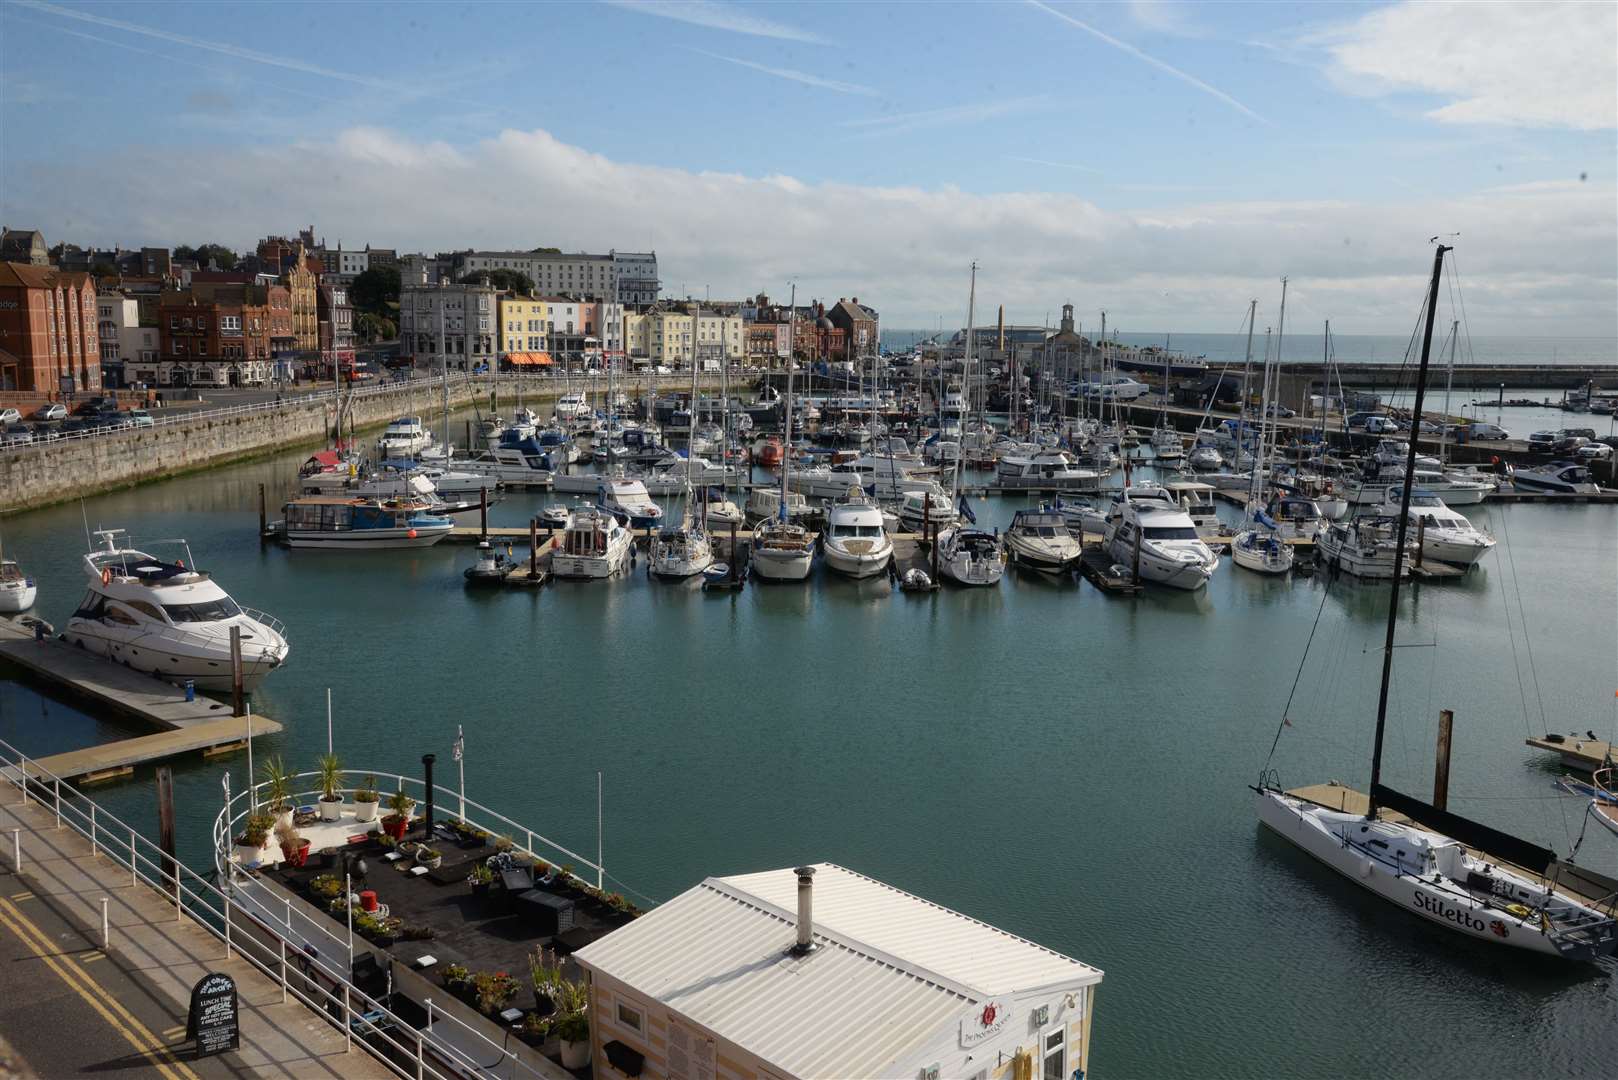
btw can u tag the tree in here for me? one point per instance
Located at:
(544, 251)
(514, 280)
(375, 328)
(202, 253)
(375, 289)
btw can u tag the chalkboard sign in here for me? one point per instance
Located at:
(212, 1022)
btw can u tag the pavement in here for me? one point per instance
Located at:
(68, 1007)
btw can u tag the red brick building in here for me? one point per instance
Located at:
(219, 335)
(48, 339)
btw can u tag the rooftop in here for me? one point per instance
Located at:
(718, 954)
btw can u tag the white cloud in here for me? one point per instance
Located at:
(794, 76)
(947, 116)
(718, 17)
(1164, 16)
(1538, 64)
(1538, 260)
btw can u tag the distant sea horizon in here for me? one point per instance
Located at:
(1352, 348)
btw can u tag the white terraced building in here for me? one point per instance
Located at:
(715, 984)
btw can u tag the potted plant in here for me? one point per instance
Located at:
(366, 800)
(569, 1021)
(331, 778)
(277, 790)
(325, 887)
(294, 847)
(480, 879)
(431, 858)
(255, 833)
(494, 990)
(398, 819)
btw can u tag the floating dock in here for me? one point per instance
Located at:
(1097, 567)
(184, 726)
(1578, 751)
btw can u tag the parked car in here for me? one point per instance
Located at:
(1382, 425)
(1543, 442)
(47, 432)
(9, 416)
(140, 418)
(75, 426)
(1593, 452)
(54, 410)
(1490, 432)
(1281, 412)
(16, 434)
(1355, 420)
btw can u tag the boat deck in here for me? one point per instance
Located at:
(186, 726)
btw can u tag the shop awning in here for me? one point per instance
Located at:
(529, 359)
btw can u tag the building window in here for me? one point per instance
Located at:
(629, 1018)
(1055, 1054)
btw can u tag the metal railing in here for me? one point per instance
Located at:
(278, 949)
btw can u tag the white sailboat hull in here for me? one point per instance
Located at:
(1258, 557)
(779, 565)
(17, 595)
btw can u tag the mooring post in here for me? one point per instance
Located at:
(236, 670)
(263, 516)
(1446, 723)
(106, 927)
(1421, 537)
(1135, 569)
(533, 547)
(483, 513)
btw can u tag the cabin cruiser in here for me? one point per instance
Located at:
(1113, 387)
(1391, 453)
(1148, 519)
(1443, 534)
(674, 474)
(1045, 469)
(1365, 547)
(524, 423)
(1041, 540)
(1558, 477)
(970, 556)
(17, 589)
(558, 443)
(1083, 517)
(940, 451)
(170, 619)
(595, 544)
(782, 550)
(1296, 517)
(523, 463)
(403, 438)
(953, 407)
(1205, 458)
(396, 482)
(491, 568)
(572, 406)
(930, 507)
(1167, 445)
(764, 504)
(855, 542)
(628, 501)
(336, 521)
(1197, 500)
(1372, 489)
(680, 551)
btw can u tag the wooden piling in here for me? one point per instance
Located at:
(533, 547)
(1421, 537)
(263, 516)
(236, 671)
(483, 513)
(1134, 570)
(1446, 723)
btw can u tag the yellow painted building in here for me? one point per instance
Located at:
(720, 337)
(522, 325)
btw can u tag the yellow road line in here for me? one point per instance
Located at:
(22, 895)
(80, 982)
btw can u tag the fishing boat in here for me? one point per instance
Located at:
(594, 545)
(350, 524)
(1444, 535)
(1507, 898)
(166, 617)
(492, 567)
(628, 501)
(783, 549)
(17, 589)
(855, 543)
(403, 438)
(1147, 521)
(1041, 540)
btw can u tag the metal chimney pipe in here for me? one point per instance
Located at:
(806, 904)
(427, 779)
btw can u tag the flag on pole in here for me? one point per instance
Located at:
(460, 742)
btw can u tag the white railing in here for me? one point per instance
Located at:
(281, 945)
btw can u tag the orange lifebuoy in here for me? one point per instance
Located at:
(106, 577)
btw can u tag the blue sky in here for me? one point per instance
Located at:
(1167, 159)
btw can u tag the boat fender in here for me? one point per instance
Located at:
(106, 576)
(1366, 868)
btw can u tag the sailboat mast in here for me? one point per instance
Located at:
(966, 377)
(1247, 363)
(443, 367)
(1404, 514)
(786, 449)
(1449, 382)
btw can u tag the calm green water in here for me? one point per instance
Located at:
(1066, 765)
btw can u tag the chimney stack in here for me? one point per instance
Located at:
(806, 925)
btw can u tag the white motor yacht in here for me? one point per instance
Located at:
(403, 438)
(572, 406)
(1373, 490)
(1205, 458)
(628, 501)
(594, 545)
(953, 406)
(1443, 534)
(1041, 540)
(1083, 517)
(1197, 500)
(17, 589)
(942, 452)
(1365, 547)
(170, 619)
(681, 551)
(855, 542)
(1558, 477)
(970, 556)
(1148, 519)
(1167, 445)
(930, 507)
(1045, 469)
(1296, 517)
(764, 504)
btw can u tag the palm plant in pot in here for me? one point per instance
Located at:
(398, 819)
(277, 786)
(255, 833)
(366, 800)
(569, 1021)
(331, 779)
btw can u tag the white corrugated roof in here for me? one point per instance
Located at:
(893, 968)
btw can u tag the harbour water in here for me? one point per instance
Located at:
(1066, 765)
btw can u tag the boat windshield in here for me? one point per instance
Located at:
(206, 611)
(1170, 532)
